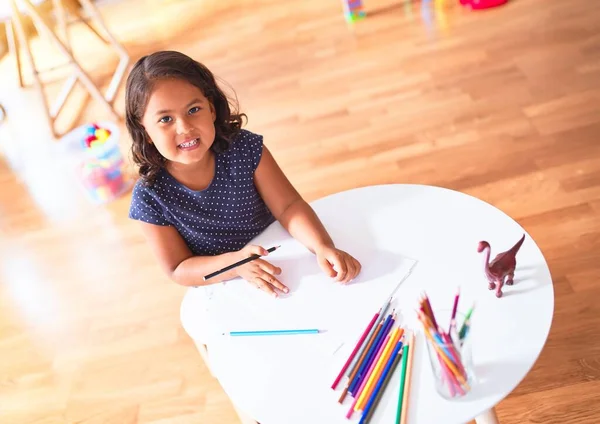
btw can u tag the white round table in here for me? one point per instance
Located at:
(287, 379)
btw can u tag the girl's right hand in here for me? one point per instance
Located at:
(260, 272)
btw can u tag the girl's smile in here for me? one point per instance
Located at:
(189, 145)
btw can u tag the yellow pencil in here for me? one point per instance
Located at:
(448, 362)
(411, 354)
(378, 368)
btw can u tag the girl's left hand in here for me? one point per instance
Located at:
(337, 263)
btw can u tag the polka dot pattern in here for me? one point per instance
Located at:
(222, 218)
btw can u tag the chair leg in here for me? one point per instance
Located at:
(41, 24)
(124, 58)
(21, 39)
(61, 19)
(13, 48)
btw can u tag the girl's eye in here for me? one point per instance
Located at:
(194, 109)
(165, 119)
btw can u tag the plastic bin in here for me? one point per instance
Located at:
(92, 150)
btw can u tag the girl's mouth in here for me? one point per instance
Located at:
(189, 145)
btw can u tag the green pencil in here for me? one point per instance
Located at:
(402, 381)
(463, 329)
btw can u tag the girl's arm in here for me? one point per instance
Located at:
(180, 264)
(300, 220)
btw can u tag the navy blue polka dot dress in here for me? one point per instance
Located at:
(222, 218)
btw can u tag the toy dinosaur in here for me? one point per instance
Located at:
(502, 269)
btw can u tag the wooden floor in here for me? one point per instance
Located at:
(502, 104)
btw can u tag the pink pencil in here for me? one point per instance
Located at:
(364, 382)
(454, 309)
(360, 342)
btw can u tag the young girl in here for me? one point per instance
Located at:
(208, 187)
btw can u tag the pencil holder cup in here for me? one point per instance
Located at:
(450, 356)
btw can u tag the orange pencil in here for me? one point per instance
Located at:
(358, 364)
(368, 390)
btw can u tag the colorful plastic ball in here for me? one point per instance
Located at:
(102, 135)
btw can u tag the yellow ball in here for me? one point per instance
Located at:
(101, 135)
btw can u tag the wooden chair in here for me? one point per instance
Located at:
(17, 39)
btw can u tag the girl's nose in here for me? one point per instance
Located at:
(183, 126)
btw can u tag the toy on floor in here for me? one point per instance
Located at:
(95, 136)
(501, 270)
(482, 4)
(92, 150)
(353, 10)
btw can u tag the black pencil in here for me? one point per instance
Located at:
(242, 262)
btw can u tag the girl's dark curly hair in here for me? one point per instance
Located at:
(140, 82)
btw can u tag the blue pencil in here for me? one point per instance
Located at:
(381, 384)
(354, 362)
(389, 322)
(361, 377)
(273, 332)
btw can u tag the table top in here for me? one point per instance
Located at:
(288, 378)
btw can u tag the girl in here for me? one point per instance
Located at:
(208, 187)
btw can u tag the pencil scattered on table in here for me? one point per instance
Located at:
(370, 366)
(273, 332)
(447, 345)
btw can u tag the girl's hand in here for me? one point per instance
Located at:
(337, 263)
(260, 272)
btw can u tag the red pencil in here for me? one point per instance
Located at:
(360, 342)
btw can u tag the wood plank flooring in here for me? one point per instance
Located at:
(502, 104)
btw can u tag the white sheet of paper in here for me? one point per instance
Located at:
(315, 300)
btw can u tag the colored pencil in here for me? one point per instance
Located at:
(430, 312)
(362, 356)
(273, 332)
(454, 309)
(389, 322)
(463, 329)
(358, 345)
(406, 351)
(387, 329)
(382, 312)
(364, 382)
(378, 369)
(455, 371)
(382, 383)
(409, 367)
(238, 263)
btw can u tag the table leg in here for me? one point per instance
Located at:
(488, 417)
(244, 418)
(204, 354)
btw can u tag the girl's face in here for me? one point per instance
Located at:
(180, 121)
